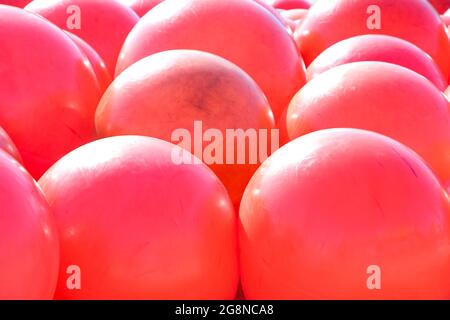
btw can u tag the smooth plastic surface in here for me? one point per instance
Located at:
(289, 4)
(16, 3)
(139, 226)
(6, 144)
(380, 97)
(330, 21)
(275, 12)
(141, 7)
(47, 111)
(102, 24)
(378, 48)
(29, 250)
(329, 208)
(296, 15)
(241, 31)
(170, 90)
(440, 5)
(98, 65)
(446, 18)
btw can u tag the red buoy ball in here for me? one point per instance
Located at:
(380, 97)
(378, 48)
(134, 224)
(241, 31)
(48, 91)
(345, 214)
(29, 250)
(199, 101)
